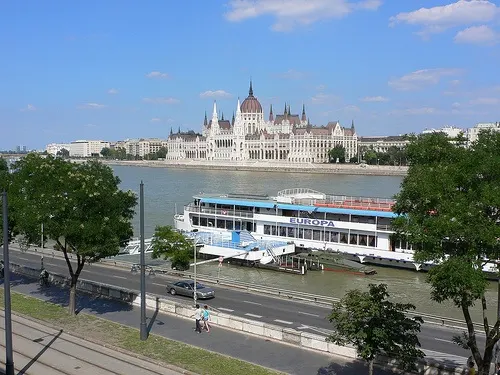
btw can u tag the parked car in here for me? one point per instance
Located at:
(186, 288)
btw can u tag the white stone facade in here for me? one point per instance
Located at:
(86, 149)
(141, 147)
(54, 148)
(249, 137)
(473, 133)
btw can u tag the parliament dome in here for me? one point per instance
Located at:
(251, 104)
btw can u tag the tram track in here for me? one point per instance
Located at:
(75, 356)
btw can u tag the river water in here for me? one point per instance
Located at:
(168, 189)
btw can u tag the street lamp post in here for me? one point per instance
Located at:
(195, 297)
(9, 359)
(144, 331)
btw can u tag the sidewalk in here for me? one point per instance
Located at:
(42, 350)
(265, 352)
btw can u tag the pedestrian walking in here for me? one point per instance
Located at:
(206, 318)
(198, 315)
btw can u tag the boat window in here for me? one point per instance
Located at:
(196, 220)
(363, 239)
(211, 222)
(317, 235)
(267, 229)
(229, 225)
(301, 233)
(203, 222)
(372, 241)
(384, 221)
(282, 231)
(274, 230)
(221, 224)
(334, 236)
(291, 232)
(363, 219)
(343, 237)
(289, 213)
(353, 239)
(307, 234)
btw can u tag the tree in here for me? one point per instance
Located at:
(4, 184)
(80, 205)
(338, 152)
(376, 326)
(448, 208)
(63, 153)
(171, 244)
(106, 152)
(161, 153)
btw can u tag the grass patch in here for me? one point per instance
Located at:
(156, 347)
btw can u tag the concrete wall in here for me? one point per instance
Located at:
(287, 335)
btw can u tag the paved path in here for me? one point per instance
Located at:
(42, 350)
(265, 352)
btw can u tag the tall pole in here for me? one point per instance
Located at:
(41, 242)
(144, 331)
(194, 294)
(9, 360)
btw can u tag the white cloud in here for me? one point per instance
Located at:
(112, 91)
(351, 108)
(155, 119)
(375, 99)
(161, 100)
(421, 78)
(485, 101)
(215, 94)
(29, 107)
(91, 106)
(438, 19)
(296, 12)
(415, 111)
(478, 35)
(321, 98)
(321, 87)
(292, 74)
(157, 75)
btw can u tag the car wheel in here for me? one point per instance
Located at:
(173, 292)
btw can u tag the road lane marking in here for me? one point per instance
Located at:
(304, 313)
(438, 339)
(224, 309)
(253, 303)
(26, 259)
(157, 284)
(120, 277)
(282, 321)
(253, 315)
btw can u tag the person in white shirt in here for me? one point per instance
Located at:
(198, 314)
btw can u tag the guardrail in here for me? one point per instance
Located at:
(317, 299)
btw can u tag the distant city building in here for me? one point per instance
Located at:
(21, 149)
(382, 143)
(141, 147)
(450, 131)
(473, 133)
(85, 149)
(54, 148)
(248, 136)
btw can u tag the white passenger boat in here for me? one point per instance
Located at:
(359, 228)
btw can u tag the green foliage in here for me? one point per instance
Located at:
(171, 244)
(376, 326)
(63, 153)
(338, 152)
(4, 185)
(118, 153)
(449, 206)
(80, 205)
(459, 280)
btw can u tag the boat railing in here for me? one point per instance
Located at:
(218, 211)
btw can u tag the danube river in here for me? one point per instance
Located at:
(168, 189)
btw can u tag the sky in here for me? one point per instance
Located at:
(114, 70)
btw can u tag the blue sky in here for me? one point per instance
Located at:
(124, 69)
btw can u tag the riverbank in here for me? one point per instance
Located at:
(346, 169)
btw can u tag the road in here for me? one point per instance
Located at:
(436, 340)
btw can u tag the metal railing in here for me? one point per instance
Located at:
(218, 211)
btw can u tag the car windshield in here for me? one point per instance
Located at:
(198, 285)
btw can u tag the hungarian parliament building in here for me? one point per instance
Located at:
(248, 136)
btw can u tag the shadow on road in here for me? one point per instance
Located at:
(16, 279)
(30, 363)
(153, 319)
(352, 368)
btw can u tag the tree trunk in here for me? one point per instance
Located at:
(370, 367)
(72, 296)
